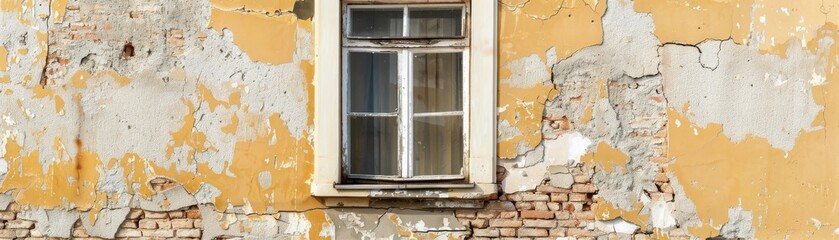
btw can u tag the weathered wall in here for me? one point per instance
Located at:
(645, 118)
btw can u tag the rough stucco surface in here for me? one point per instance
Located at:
(617, 118)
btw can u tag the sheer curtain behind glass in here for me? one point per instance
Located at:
(440, 22)
(438, 128)
(376, 23)
(373, 97)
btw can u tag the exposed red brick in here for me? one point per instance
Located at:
(505, 223)
(509, 214)
(583, 188)
(467, 213)
(507, 232)
(532, 232)
(539, 223)
(577, 197)
(537, 214)
(485, 233)
(193, 213)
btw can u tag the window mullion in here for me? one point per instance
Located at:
(404, 115)
(405, 19)
(409, 97)
(404, 99)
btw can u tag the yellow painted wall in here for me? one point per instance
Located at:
(214, 129)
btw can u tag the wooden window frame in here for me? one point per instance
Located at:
(406, 115)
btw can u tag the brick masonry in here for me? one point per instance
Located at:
(547, 212)
(139, 224)
(550, 212)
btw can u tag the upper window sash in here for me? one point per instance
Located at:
(402, 24)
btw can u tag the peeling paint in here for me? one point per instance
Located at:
(269, 39)
(693, 21)
(214, 99)
(521, 52)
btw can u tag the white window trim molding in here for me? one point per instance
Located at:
(482, 110)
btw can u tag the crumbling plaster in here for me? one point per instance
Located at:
(729, 99)
(773, 77)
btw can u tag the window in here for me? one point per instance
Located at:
(404, 86)
(405, 98)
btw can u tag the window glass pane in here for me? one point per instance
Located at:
(376, 23)
(438, 82)
(373, 145)
(435, 22)
(438, 145)
(373, 82)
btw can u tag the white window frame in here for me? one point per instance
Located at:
(405, 53)
(479, 110)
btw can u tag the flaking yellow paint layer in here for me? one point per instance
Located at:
(693, 21)
(319, 221)
(68, 181)
(791, 195)
(269, 39)
(524, 109)
(775, 186)
(59, 8)
(783, 21)
(606, 157)
(603, 210)
(207, 96)
(19, 6)
(4, 54)
(42, 92)
(80, 78)
(533, 27)
(255, 5)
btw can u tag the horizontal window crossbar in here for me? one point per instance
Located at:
(438, 114)
(355, 114)
(402, 186)
(414, 178)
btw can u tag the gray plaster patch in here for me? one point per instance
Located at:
(52, 222)
(629, 48)
(351, 223)
(773, 95)
(107, 222)
(6, 198)
(617, 225)
(133, 119)
(253, 226)
(531, 158)
(170, 199)
(111, 181)
(206, 193)
(562, 180)
(739, 224)
(506, 131)
(683, 211)
(355, 223)
(264, 179)
(527, 72)
(565, 150)
(710, 53)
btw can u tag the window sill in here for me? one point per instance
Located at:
(401, 186)
(358, 194)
